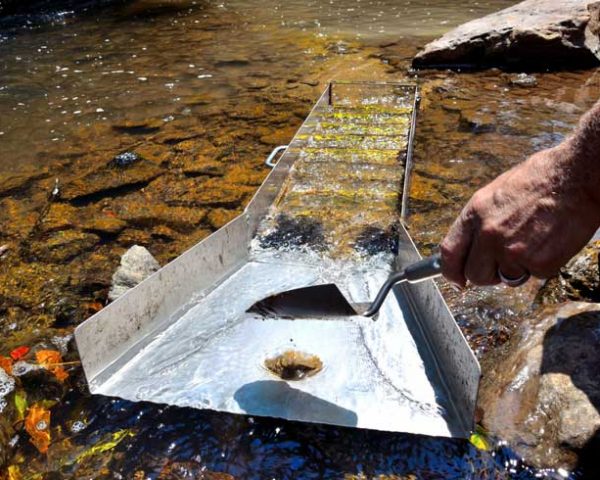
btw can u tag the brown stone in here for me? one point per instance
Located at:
(155, 153)
(542, 394)
(219, 217)
(102, 224)
(14, 182)
(145, 211)
(108, 180)
(578, 280)
(203, 165)
(533, 34)
(62, 246)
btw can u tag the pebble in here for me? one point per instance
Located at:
(125, 159)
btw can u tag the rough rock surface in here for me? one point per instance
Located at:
(578, 280)
(534, 34)
(543, 394)
(136, 265)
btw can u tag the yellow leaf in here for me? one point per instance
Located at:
(14, 472)
(37, 425)
(51, 360)
(106, 446)
(479, 439)
(21, 404)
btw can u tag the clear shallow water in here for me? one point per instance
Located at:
(69, 103)
(61, 86)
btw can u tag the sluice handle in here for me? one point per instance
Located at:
(425, 269)
(269, 161)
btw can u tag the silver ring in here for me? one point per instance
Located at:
(514, 282)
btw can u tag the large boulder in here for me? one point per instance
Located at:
(543, 395)
(534, 34)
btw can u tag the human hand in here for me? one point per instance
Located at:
(531, 219)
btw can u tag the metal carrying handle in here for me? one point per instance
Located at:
(269, 161)
(425, 269)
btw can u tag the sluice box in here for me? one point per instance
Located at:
(329, 212)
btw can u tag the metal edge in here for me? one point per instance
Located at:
(409, 156)
(456, 366)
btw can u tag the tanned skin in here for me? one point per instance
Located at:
(533, 218)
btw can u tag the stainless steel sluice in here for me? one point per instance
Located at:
(326, 213)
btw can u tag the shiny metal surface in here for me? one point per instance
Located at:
(184, 337)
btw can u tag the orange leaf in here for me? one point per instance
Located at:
(19, 352)
(95, 306)
(6, 364)
(37, 425)
(51, 360)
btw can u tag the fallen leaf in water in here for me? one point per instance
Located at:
(14, 472)
(37, 425)
(479, 439)
(6, 364)
(52, 360)
(109, 444)
(95, 306)
(19, 352)
(21, 404)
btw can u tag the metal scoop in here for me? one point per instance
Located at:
(326, 300)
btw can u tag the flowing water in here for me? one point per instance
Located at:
(196, 94)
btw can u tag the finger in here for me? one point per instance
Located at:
(455, 249)
(481, 267)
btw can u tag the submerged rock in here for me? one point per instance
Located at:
(543, 394)
(137, 264)
(523, 80)
(125, 159)
(63, 245)
(108, 180)
(535, 34)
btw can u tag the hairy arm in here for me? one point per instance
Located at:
(532, 218)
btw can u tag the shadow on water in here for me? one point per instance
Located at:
(569, 352)
(278, 399)
(257, 447)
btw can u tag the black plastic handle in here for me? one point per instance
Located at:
(417, 272)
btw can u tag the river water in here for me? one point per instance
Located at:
(200, 92)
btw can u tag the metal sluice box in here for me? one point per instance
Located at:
(327, 213)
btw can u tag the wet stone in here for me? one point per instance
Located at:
(477, 121)
(11, 183)
(125, 159)
(108, 181)
(294, 365)
(145, 211)
(137, 264)
(63, 246)
(103, 224)
(143, 127)
(578, 280)
(60, 216)
(219, 217)
(523, 80)
(155, 153)
(202, 165)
